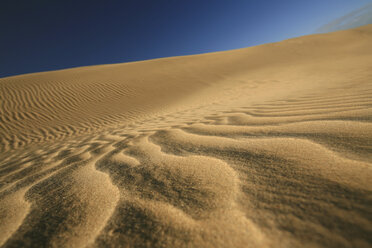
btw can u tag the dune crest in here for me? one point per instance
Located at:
(268, 146)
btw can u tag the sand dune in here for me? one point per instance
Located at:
(268, 146)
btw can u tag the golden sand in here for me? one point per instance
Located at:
(267, 146)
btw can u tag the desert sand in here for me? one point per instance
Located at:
(267, 146)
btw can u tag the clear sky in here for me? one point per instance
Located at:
(41, 35)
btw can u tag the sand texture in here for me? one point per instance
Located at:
(268, 146)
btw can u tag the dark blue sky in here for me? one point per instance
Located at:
(41, 35)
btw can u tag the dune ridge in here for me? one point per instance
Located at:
(268, 146)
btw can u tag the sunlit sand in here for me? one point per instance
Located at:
(267, 146)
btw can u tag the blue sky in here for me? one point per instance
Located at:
(43, 35)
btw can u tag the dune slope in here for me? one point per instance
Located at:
(268, 146)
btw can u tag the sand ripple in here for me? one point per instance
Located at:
(263, 161)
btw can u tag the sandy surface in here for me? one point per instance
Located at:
(268, 146)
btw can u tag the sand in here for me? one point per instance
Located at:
(267, 146)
